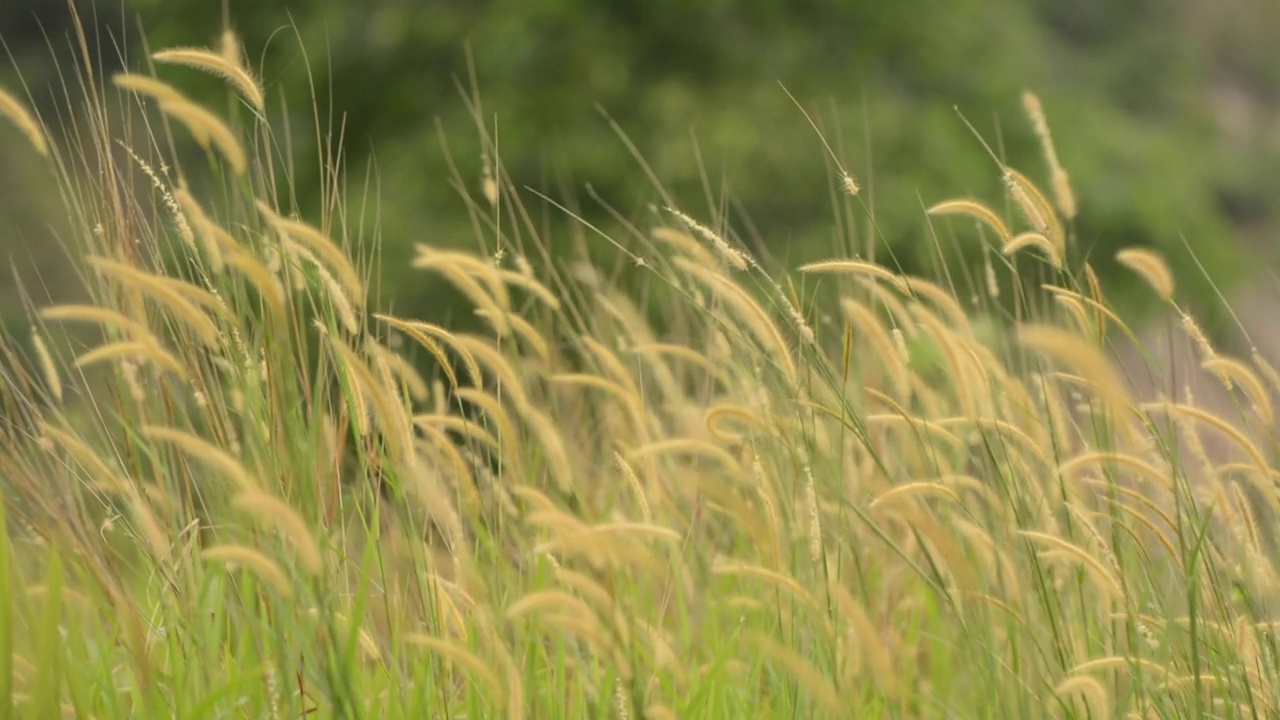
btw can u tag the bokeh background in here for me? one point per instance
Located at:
(1166, 113)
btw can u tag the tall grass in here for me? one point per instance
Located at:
(236, 486)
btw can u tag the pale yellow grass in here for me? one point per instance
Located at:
(18, 114)
(219, 64)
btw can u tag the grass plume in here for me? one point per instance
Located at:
(682, 492)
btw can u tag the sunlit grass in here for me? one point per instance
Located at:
(236, 485)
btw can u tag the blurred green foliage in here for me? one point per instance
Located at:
(696, 86)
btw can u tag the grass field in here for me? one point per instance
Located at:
(237, 485)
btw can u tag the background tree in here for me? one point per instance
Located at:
(1160, 110)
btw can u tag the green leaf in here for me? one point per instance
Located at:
(49, 647)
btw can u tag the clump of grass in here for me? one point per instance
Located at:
(236, 493)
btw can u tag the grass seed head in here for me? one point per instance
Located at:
(18, 114)
(222, 64)
(977, 211)
(262, 566)
(1151, 268)
(269, 509)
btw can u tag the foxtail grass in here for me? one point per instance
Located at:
(236, 483)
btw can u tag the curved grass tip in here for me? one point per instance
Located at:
(1151, 267)
(22, 119)
(266, 569)
(856, 267)
(975, 210)
(216, 63)
(1035, 240)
